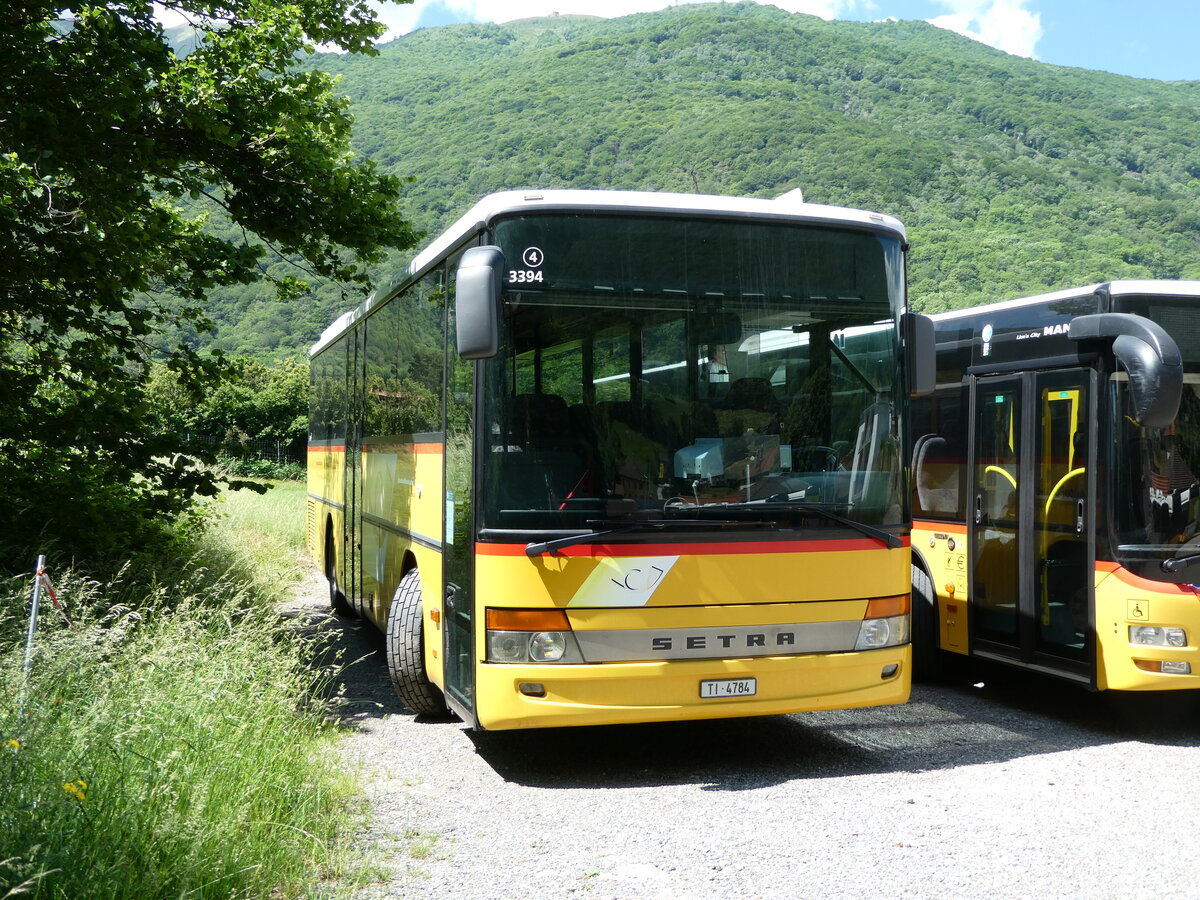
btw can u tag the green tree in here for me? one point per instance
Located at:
(114, 152)
(265, 401)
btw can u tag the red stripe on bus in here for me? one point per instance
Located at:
(694, 548)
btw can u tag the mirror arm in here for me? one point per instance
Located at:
(1149, 355)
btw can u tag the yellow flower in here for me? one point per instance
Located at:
(14, 743)
(77, 789)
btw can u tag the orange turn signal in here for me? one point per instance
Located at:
(883, 607)
(527, 620)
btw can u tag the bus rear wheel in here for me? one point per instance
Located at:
(406, 652)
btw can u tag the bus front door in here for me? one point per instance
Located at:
(459, 653)
(351, 581)
(1031, 533)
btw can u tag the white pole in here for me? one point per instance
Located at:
(33, 615)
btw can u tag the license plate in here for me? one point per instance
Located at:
(728, 687)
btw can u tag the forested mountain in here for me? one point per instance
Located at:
(1012, 176)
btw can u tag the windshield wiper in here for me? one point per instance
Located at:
(884, 537)
(618, 527)
(1179, 563)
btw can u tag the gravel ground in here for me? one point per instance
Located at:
(996, 786)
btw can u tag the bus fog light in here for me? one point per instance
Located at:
(547, 646)
(507, 646)
(1174, 667)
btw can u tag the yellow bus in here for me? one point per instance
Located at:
(610, 457)
(1057, 513)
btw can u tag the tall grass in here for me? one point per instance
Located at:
(259, 538)
(174, 746)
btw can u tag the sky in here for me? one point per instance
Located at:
(1152, 39)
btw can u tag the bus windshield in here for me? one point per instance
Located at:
(1156, 485)
(663, 368)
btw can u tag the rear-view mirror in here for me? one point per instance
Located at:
(477, 302)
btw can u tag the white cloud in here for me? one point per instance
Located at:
(1004, 24)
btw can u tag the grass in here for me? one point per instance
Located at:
(176, 745)
(260, 537)
(420, 846)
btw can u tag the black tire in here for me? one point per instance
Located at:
(406, 653)
(928, 664)
(337, 600)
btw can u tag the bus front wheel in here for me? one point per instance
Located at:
(406, 652)
(926, 655)
(337, 600)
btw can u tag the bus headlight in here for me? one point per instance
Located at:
(548, 646)
(532, 647)
(1156, 636)
(885, 624)
(876, 633)
(530, 636)
(507, 646)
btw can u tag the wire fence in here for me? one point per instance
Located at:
(272, 451)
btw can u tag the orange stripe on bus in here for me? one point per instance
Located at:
(411, 447)
(375, 448)
(1142, 584)
(954, 528)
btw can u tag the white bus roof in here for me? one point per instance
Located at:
(1115, 288)
(787, 207)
